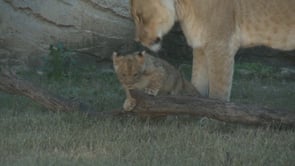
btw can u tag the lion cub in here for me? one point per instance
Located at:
(153, 75)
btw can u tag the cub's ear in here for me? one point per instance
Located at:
(115, 55)
(141, 57)
(142, 53)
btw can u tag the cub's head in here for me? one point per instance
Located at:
(153, 19)
(129, 68)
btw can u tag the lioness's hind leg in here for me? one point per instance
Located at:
(200, 72)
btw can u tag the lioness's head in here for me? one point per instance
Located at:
(129, 68)
(153, 19)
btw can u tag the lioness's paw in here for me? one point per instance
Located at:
(150, 91)
(129, 104)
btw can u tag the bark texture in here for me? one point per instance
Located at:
(215, 109)
(154, 106)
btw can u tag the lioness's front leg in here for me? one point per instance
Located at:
(220, 70)
(200, 72)
(213, 70)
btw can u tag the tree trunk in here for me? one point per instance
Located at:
(215, 109)
(11, 84)
(154, 106)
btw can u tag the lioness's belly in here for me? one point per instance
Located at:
(270, 23)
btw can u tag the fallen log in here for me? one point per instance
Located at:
(215, 109)
(153, 106)
(10, 83)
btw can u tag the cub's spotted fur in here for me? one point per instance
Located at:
(153, 75)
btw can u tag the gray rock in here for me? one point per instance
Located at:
(95, 27)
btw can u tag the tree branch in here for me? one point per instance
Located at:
(11, 84)
(215, 109)
(153, 106)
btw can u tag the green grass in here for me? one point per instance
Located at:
(263, 85)
(31, 135)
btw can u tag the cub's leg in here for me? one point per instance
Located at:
(129, 102)
(200, 72)
(156, 82)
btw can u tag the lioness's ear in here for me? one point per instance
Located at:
(131, 7)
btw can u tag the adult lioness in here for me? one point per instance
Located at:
(216, 29)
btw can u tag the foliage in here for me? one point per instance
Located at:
(59, 63)
(257, 70)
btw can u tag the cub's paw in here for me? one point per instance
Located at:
(150, 91)
(129, 104)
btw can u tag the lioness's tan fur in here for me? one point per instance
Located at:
(153, 75)
(216, 29)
